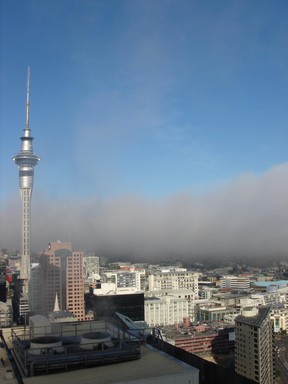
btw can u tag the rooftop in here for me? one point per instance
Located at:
(257, 320)
(113, 351)
(154, 366)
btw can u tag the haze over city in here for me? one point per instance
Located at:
(161, 126)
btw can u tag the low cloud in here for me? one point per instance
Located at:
(246, 217)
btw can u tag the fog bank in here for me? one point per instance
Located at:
(246, 217)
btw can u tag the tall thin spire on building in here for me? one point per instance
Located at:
(56, 305)
(26, 160)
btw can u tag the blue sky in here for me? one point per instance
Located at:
(149, 98)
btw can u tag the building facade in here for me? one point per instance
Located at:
(103, 306)
(6, 318)
(168, 281)
(279, 316)
(127, 278)
(207, 342)
(35, 286)
(91, 267)
(235, 282)
(212, 313)
(183, 294)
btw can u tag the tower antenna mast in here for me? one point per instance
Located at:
(28, 99)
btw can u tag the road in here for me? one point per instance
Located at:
(281, 360)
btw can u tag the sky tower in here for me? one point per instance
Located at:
(26, 160)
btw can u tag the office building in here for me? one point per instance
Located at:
(61, 276)
(166, 310)
(103, 303)
(184, 294)
(235, 283)
(254, 345)
(180, 283)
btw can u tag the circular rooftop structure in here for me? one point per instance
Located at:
(92, 340)
(249, 312)
(44, 344)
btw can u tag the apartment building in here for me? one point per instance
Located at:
(254, 345)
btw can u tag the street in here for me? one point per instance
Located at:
(281, 360)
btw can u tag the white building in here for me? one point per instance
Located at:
(167, 310)
(105, 289)
(130, 278)
(235, 282)
(168, 281)
(184, 294)
(279, 316)
(91, 266)
(211, 312)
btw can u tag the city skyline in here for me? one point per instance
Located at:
(159, 126)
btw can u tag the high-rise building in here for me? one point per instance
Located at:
(61, 277)
(26, 160)
(254, 345)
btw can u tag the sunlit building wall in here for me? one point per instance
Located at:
(62, 276)
(167, 310)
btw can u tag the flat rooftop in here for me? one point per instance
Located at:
(153, 366)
